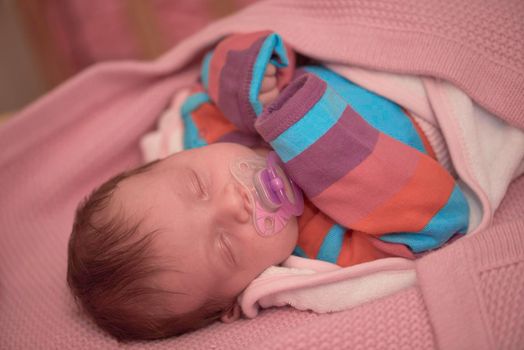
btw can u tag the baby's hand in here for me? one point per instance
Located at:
(269, 90)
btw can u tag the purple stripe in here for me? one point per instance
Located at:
(234, 82)
(291, 105)
(342, 148)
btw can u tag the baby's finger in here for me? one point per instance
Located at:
(270, 70)
(268, 97)
(268, 83)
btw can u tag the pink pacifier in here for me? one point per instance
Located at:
(274, 197)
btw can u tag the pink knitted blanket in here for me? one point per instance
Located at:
(59, 148)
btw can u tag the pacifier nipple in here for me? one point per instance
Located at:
(277, 184)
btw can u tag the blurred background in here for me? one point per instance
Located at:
(44, 42)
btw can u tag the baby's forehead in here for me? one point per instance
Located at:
(126, 202)
(146, 197)
(136, 184)
(127, 209)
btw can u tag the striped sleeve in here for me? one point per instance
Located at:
(233, 72)
(359, 168)
(205, 124)
(230, 81)
(322, 238)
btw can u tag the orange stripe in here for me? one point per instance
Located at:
(344, 256)
(413, 207)
(235, 42)
(377, 179)
(358, 248)
(310, 210)
(312, 234)
(211, 123)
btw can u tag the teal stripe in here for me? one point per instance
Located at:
(306, 131)
(450, 219)
(192, 137)
(193, 102)
(330, 248)
(299, 252)
(205, 69)
(381, 113)
(272, 45)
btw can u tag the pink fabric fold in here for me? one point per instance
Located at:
(58, 149)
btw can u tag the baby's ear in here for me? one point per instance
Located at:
(231, 314)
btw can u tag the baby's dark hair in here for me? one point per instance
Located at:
(110, 271)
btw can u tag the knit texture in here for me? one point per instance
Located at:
(61, 147)
(502, 290)
(452, 40)
(501, 271)
(397, 322)
(479, 304)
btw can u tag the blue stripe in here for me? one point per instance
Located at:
(299, 252)
(192, 137)
(330, 248)
(450, 219)
(193, 102)
(306, 131)
(381, 113)
(205, 69)
(273, 44)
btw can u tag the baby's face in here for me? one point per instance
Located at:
(205, 226)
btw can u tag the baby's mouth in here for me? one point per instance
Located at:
(267, 193)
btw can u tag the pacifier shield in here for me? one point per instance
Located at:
(274, 197)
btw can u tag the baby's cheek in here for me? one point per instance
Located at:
(291, 233)
(261, 252)
(286, 241)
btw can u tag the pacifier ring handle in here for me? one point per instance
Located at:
(274, 197)
(294, 208)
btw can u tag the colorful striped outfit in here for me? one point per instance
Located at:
(373, 184)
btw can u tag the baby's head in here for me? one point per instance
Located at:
(167, 248)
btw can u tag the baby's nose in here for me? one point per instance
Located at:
(234, 203)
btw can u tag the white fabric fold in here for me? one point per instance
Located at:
(326, 290)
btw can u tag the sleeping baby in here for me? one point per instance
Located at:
(280, 159)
